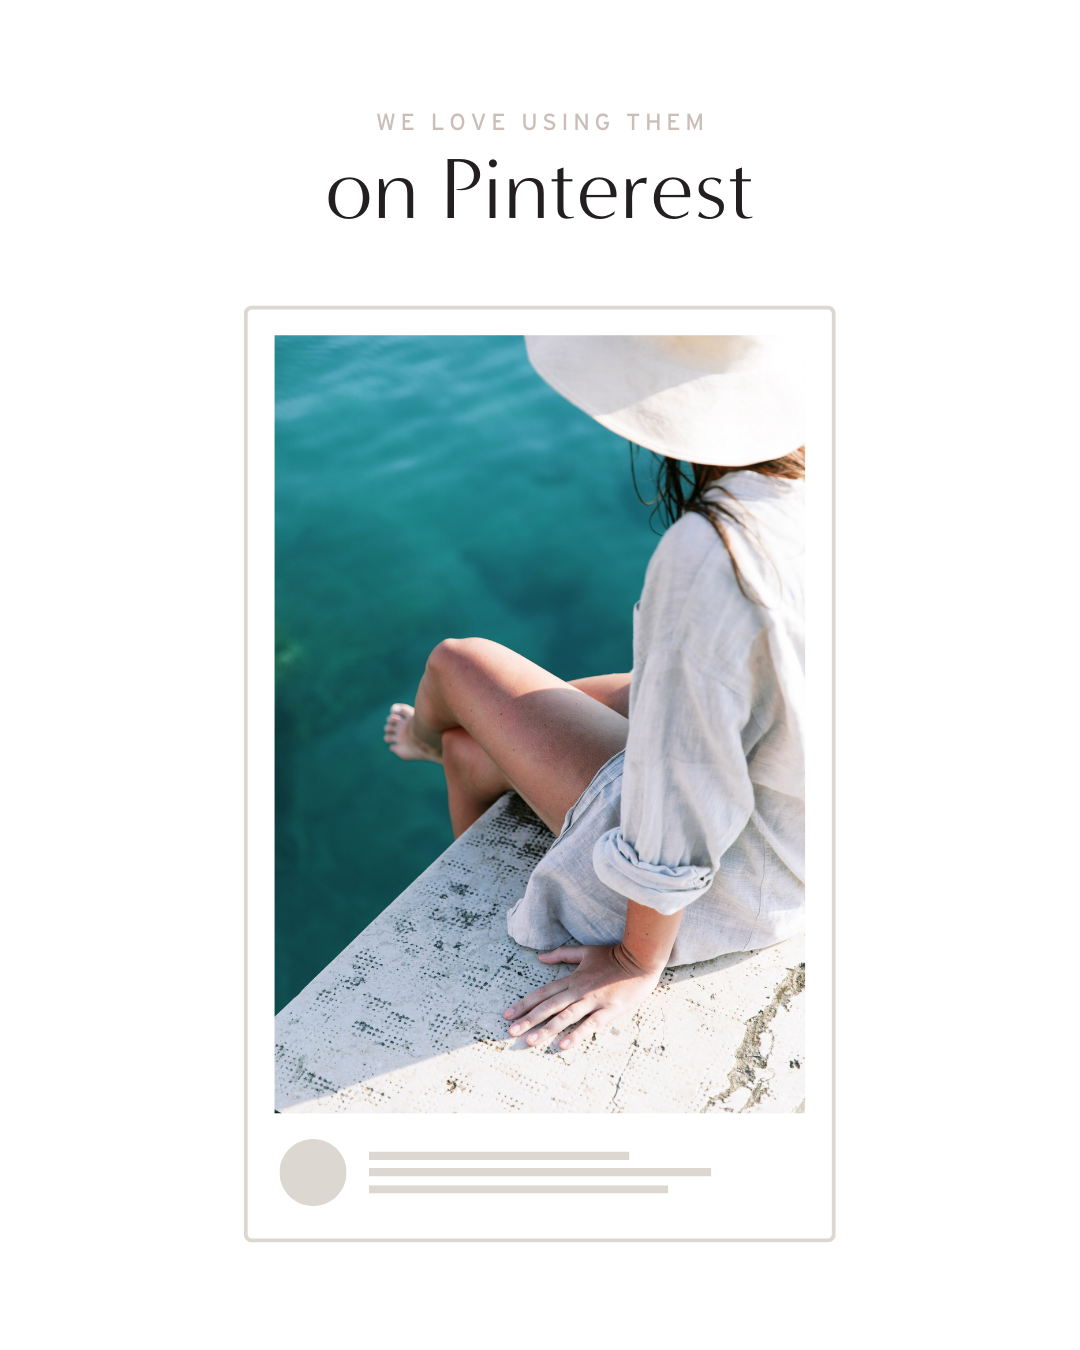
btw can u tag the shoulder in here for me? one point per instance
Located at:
(764, 520)
(687, 544)
(692, 600)
(690, 573)
(760, 508)
(757, 496)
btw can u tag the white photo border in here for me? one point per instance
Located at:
(773, 1176)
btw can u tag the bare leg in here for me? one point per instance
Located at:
(542, 736)
(473, 780)
(397, 733)
(611, 690)
(498, 721)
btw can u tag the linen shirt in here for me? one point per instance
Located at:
(713, 770)
(703, 811)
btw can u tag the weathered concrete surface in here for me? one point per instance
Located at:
(409, 1016)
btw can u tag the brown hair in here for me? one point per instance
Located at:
(679, 492)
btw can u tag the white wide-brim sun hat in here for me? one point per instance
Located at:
(710, 400)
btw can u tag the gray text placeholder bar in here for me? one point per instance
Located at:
(517, 1190)
(499, 1157)
(539, 1172)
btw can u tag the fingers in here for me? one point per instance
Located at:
(541, 1013)
(568, 956)
(549, 1016)
(574, 1012)
(561, 956)
(589, 1027)
(530, 1001)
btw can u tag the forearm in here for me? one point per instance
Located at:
(648, 936)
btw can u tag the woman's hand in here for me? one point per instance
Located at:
(608, 984)
(609, 981)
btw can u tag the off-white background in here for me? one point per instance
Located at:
(168, 166)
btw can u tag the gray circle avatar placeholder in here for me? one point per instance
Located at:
(312, 1172)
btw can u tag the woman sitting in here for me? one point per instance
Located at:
(676, 791)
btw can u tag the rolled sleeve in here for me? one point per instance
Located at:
(665, 889)
(686, 790)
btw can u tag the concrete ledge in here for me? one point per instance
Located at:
(409, 1017)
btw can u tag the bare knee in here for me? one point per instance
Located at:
(452, 655)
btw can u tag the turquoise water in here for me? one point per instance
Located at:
(426, 488)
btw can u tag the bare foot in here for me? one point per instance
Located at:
(398, 735)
